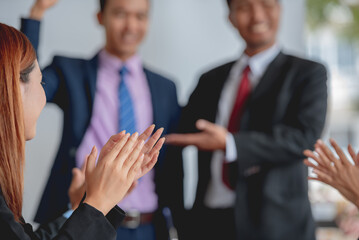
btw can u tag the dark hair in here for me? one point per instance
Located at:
(103, 4)
(229, 2)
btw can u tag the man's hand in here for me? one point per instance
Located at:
(212, 137)
(40, 7)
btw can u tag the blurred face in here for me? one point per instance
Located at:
(33, 100)
(125, 23)
(256, 21)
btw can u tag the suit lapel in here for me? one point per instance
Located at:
(217, 87)
(154, 95)
(273, 78)
(271, 75)
(91, 76)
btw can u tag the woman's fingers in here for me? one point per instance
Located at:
(353, 154)
(91, 160)
(146, 167)
(135, 168)
(151, 142)
(326, 150)
(113, 146)
(312, 155)
(156, 148)
(126, 149)
(111, 143)
(340, 152)
(147, 133)
(325, 170)
(133, 156)
(323, 177)
(332, 158)
(326, 162)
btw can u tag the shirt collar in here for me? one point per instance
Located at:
(259, 62)
(113, 63)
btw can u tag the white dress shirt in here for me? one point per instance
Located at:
(218, 195)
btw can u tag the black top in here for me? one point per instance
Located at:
(86, 222)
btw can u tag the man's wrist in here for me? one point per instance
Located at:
(37, 13)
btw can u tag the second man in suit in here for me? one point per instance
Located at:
(104, 95)
(251, 119)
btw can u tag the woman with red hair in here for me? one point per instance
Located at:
(121, 162)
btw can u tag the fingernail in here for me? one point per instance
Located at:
(93, 149)
(135, 135)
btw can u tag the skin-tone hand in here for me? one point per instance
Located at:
(339, 173)
(108, 181)
(150, 150)
(39, 8)
(212, 137)
(77, 187)
(122, 161)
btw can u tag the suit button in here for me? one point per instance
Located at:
(72, 152)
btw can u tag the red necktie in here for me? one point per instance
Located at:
(243, 93)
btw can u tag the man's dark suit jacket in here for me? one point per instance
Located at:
(86, 222)
(284, 115)
(71, 83)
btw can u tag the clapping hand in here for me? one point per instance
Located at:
(337, 172)
(122, 161)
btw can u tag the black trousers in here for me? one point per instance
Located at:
(209, 224)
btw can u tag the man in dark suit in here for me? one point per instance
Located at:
(251, 119)
(102, 96)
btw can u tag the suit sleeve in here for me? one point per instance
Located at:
(289, 137)
(52, 77)
(88, 223)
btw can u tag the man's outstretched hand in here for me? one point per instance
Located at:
(212, 137)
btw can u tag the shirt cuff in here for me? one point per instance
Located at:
(68, 213)
(231, 150)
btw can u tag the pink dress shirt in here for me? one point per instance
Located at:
(104, 120)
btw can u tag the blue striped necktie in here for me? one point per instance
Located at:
(126, 112)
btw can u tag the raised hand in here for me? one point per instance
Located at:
(212, 137)
(40, 7)
(339, 173)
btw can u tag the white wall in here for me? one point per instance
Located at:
(186, 37)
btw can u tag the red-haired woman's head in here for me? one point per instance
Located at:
(22, 99)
